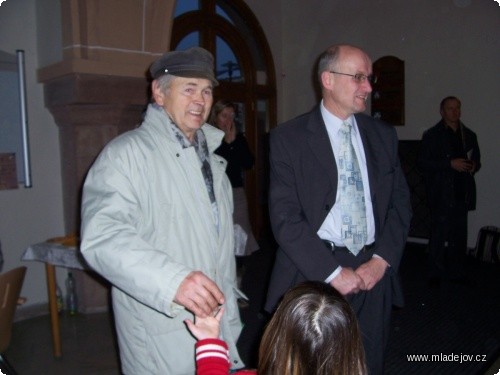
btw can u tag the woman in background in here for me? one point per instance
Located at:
(234, 148)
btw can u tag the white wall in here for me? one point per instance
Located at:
(49, 32)
(448, 50)
(31, 215)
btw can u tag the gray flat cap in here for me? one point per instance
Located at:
(195, 62)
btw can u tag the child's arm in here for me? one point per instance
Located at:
(206, 328)
(212, 356)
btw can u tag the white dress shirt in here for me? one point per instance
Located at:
(330, 229)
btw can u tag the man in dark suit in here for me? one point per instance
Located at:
(314, 232)
(449, 158)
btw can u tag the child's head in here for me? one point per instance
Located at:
(313, 331)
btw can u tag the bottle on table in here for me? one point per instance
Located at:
(59, 299)
(71, 300)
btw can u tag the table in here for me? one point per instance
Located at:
(55, 254)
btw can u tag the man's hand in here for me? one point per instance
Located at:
(229, 133)
(206, 328)
(199, 294)
(462, 165)
(372, 271)
(347, 282)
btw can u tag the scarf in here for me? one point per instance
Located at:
(200, 145)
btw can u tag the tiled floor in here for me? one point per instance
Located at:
(87, 342)
(455, 319)
(462, 319)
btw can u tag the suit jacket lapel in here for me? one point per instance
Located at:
(321, 148)
(370, 152)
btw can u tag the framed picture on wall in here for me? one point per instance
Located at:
(13, 121)
(388, 95)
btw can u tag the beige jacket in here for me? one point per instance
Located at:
(147, 223)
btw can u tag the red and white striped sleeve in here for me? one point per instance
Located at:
(212, 357)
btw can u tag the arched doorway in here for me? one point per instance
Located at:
(245, 71)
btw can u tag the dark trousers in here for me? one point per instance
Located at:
(448, 243)
(373, 310)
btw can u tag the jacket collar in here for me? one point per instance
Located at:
(319, 143)
(158, 119)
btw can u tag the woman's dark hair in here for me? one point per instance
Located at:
(313, 332)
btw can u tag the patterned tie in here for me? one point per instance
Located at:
(352, 198)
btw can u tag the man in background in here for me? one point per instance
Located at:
(449, 158)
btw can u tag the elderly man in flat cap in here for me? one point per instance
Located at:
(157, 222)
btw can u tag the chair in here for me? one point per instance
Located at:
(487, 247)
(11, 283)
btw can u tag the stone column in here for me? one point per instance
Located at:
(98, 91)
(100, 88)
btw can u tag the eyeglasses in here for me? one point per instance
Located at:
(359, 77)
